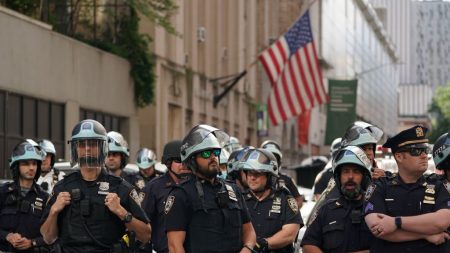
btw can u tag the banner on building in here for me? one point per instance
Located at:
(341, 110)
(262, 120)
(303, 121)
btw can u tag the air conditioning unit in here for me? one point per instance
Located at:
(201, 34)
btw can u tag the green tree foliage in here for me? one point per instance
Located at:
(118, 35)
(440, 110)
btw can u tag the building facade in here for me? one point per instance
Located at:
(49, 82)
(218, 39)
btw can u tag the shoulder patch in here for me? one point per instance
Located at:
(370, 191)
(447, 186)
(293, 204)
(169, 203)
(140, 184)
(134, 195)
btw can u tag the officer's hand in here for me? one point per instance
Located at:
(23, 244)
(438, 238)
(12, 238)
(112, 201)
(385, 225)
(377, 173)
(262, 246)
(62, 201)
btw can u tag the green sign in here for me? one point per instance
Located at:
(341, 110)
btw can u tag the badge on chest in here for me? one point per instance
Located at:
(103, 188)
(276, 205)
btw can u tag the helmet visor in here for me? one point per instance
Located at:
(357, 129)
(356, 151)
(88, 152)
(199, 133)
(256, 160)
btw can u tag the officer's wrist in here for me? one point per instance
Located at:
(248, 248)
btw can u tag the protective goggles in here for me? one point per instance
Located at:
(416, 151)
(207, 153)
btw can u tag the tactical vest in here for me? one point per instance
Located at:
(87, 220)
(337, 230)
(214, 226)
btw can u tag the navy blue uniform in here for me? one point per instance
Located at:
(156, 193)
(393, 197)
(286, 181)
(211, 214)
(134, 179)
(339, 226)
(86, 224)
(21, 214)
(272, 213)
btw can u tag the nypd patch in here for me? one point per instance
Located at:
(447, 186)
(293, 204)
(134, 195)
(140, 184)
(169, 203)
(370, 191)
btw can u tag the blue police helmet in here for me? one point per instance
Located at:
(25, 151)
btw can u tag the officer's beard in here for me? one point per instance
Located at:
(209, 173)
(353, 194)
(89, 161)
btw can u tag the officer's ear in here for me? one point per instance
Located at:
(398, 156)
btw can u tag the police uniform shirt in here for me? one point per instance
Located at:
(48, 181)
(393, 197)
(322, 182)
(156, 193)
(86, 222)
(209, 227)
(20, 214)
(134, 179)
(338, 226)
(285, 180)
(272, 213)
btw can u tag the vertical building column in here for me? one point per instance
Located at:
(72, 118)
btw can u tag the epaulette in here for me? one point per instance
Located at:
(333, 203)
(283, 188)
(433, 178)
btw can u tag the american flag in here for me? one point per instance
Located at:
(293, 69)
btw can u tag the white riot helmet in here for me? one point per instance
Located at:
(118, 144)
(361, 133)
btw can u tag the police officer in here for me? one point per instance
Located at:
(90, 210)
(157, 190)
(49, 175)
(441, 157)
(146, 161)
(339, 225)
(118, 154)
(322, 179)
(206, 213)
(22, 202)
(274, 212)
(234, 172)
(365, 136)
(408, 193)
(283, 179)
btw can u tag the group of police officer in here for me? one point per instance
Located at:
(366, 209)
(245, 206)
(194, 207)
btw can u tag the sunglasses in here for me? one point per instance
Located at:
(207, 153)
(416, 151)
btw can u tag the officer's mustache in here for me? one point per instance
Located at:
(89, 161)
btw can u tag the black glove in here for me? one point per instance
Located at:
(262, 246)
